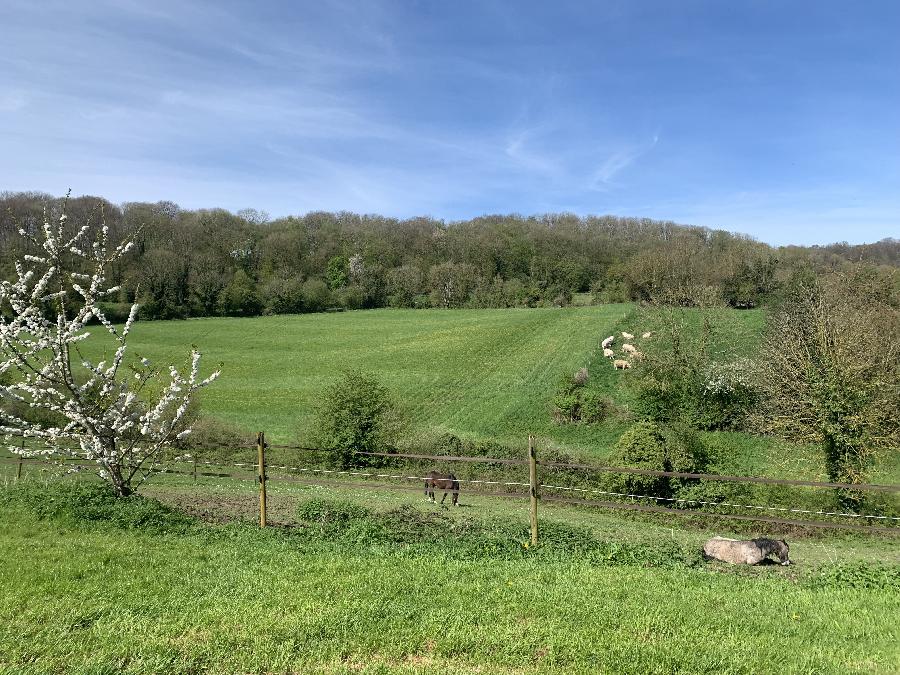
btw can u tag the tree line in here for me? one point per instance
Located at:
(211, 262)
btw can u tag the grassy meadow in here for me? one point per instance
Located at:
(350, 579)
(411, 588)
(478, 373)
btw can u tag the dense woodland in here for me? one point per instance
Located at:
(213, 262)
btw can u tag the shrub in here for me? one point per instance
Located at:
(595, 407)
(282, 295)
(649, 446)
(239, 297)
(679, 380)
(350, 297)
(78, 502)
(726, 396)
(315, 294)
(357, 414)
(212, 438)
(573, 403)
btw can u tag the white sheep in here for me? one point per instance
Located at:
(636, 355)
(631, 349)
(627, 336)
(608, 353)
(608, 341)
(646, 335)
(621, 364)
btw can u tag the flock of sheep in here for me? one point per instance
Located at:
(628, 349)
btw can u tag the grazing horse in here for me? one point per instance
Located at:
(445, 482)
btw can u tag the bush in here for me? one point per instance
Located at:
(77, 502)
(726, 396)
(350, 297)
(316, 296)
(652, 447)
(215, 439)
(679, 381)
(357, 414)
(116, 312)
(282, 295)
(573, 403)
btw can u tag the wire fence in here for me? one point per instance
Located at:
(534, 488)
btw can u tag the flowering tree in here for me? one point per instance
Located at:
(98, 412)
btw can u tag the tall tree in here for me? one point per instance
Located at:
(830, 371)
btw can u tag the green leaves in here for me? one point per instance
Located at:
(357, 414)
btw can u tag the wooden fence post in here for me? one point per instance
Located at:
(261, 451)
(533, 480)
(19, 467)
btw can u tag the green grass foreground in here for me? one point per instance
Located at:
(86, 586)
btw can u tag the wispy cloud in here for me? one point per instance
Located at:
(618, 161)
(12, 101)
(448, 109)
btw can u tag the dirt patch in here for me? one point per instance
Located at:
(227, 508)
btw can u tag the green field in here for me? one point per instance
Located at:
(413, 588)
(461, 593)
(479, 373)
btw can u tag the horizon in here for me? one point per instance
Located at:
(773, 122)
(450, 222)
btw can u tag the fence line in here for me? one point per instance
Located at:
(705, 503)
(584, 467)
(717, 477)
(758, 519)
(533, 486)
(445, 458)
(409, 488)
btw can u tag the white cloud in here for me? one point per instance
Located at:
(618, 161)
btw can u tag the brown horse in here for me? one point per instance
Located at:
(446, 482)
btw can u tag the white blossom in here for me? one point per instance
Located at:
(106, 420)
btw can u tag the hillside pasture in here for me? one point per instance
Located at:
(478, 373)
(481, 374)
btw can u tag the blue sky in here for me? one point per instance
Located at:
(777, 119)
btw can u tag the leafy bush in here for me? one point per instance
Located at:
(649, 446)
(315, 295)
(680, 380)
(727, 394)
(83, 502)
(712, 492)
(282, 295)
(357, 414)
(574, 403)
(214, 439)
